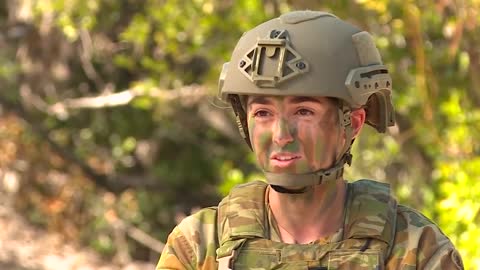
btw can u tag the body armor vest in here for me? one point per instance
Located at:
(368, 232)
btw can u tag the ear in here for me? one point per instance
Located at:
(358, 119)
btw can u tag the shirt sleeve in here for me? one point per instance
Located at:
(177, 254)
(420, 244)
(193, 243)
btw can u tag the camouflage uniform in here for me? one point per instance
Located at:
(415, 241)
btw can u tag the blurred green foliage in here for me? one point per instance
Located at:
(170, 146)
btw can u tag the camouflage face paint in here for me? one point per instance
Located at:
(321, 139)
(265, 145)
(261, 141)
(271, 119)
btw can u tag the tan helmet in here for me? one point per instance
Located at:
(310, 53)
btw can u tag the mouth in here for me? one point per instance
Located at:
(283, 159)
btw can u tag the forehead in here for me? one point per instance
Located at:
(258, 99)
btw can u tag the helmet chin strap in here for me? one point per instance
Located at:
(299, 183)
(284, 190)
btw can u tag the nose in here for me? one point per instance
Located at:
(282, 133)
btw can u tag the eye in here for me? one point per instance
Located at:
(304, 112)
(262, 113)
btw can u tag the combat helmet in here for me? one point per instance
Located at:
(310, 53)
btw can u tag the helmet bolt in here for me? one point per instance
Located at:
(300, 65)
(275, 34)
(242, 63)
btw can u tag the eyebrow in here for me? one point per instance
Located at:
(295, 99)
(259, 100)
(301, 99)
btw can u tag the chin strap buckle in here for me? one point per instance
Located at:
(348, 158)
(346, 117)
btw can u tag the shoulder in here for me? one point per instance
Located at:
(193, 243)
(200, 232)
(203, 222)
(420, 242)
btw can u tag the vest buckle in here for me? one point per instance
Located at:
(226, 263)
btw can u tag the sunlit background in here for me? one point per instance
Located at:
(110, 131)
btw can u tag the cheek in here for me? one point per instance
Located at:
(310, 143)
(319, 149)
(316, 140)
(261, 138)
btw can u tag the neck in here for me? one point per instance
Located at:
(306, 217)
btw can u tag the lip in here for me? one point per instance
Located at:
(289, 159)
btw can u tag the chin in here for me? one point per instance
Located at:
(286, 170)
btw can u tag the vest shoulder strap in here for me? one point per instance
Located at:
(371, 212)
(242, 213)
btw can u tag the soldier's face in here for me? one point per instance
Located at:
(293, 134)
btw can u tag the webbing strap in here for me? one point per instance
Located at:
(241, 118)
(306, 179)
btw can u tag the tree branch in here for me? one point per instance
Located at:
(187, 95)
(85, 52)
(145, 239)
(474, 89)
(115, 184)
(124, 227)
